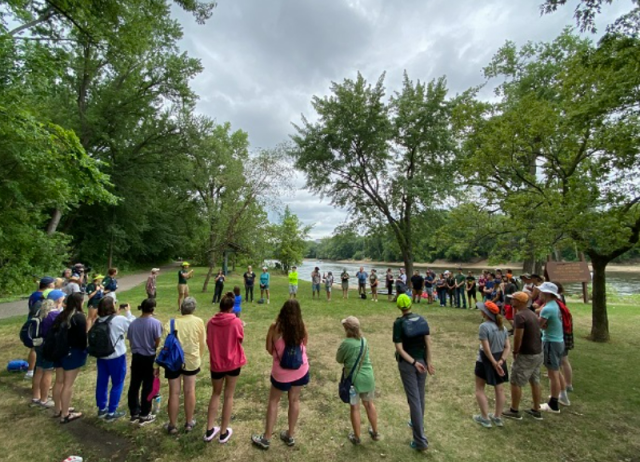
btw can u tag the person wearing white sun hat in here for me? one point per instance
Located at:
(552, 344)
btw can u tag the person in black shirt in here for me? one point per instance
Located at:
(451, 287)
(470, 286)
(249, 282)
(417, 282)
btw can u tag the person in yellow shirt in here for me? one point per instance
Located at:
(191, 333)
(293, 282)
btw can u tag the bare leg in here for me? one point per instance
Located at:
(45, 384)
(554, 383)
(268, 295)
(227, 406)
(500, 400)
(214, 402)
(481, 398)
(567, 371)
(516, 396)
(189, 385)
(57, 389)
(31, 359)
(174, 400)
(355, 419)
(294, 409)
(272, 411)
(372, 414)
(36, 382)
(536, 394)
(67, 390)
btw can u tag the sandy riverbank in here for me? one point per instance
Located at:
(479, 265)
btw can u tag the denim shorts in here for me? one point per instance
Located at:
(74, 360)
(315, 287)
(41, 362)
(287, 386)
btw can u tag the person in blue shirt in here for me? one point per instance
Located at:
(362, 277)
(34, 303)
(237, 305)
(552, 345)
(265, 279)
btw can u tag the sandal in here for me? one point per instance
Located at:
(189, 426)
(57, 415)
(70, 417)
(375, 436)
(171, 430)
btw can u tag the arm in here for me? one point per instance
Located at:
(430, 367)
(408, 358)
(518, 334)
(203, 340)
(340, 354)
(270, 338)
(497, 365)
(305, 340)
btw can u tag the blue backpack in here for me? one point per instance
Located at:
(171, 356)
(291, 357)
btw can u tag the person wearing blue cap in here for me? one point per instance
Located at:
(34, 303)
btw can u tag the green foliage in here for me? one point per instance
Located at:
(289, 239)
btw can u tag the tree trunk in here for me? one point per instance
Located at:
(599, 318)
(55, 221)
(206, 280)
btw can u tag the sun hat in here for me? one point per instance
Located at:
(525, 276)
(74, 277)
(264, 268)
(56, 295)
(549, 288)
(520, 296)
(403, 302)
(489, 308)
(155, 270)
(98, 276)
(185, 263)
(47, 280)
(351, 321)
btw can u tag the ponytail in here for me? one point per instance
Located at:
(227, 302)
(500, 321)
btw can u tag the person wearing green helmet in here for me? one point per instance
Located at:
(412, 340)
(183, 287)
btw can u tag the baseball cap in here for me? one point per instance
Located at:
(489, 308)
(403, 302)
(47, 280)
(520, 296)
(351, 321)
(56, 295)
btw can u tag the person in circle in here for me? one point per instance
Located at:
(362, 277)
(415, 360)
(249, 282)
(225, 334)
(219, 287)
(491, 364)
(373, 282)
(191, 333)
(363, 380)
(288, 333)
(316, 278)
(389, 279)
(151, 285)
(470, 288)
(344, 279)
(293, 282)
(183, 282)
(265, 282)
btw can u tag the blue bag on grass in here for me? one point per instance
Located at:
(17, 365)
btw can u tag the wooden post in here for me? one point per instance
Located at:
(585, 285)
(225, 267)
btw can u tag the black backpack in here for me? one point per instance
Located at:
(56, 343)
(30, 333)
(99, 339)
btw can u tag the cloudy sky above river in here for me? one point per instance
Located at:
(265, 59)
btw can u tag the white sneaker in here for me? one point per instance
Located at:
(268, 301)
(28, 375)
(544, 407)
(564, 399)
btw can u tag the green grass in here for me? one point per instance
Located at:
(601, 424)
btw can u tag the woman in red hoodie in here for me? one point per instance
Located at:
(224, 339)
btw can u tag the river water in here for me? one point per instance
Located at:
(619, 282)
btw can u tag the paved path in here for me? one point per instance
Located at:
(19, 308)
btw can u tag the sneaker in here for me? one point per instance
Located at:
(353, 438)
(146, 420)
(114, 416)
(497, 421)
(511, 414)
(102, 413)
(34, 402)
(224, 437)
(284, 436)
(546, 408)
(134, 419)
(413, 445)
(486, 423)
(375, 436)
(211, 434)
(48, 404)
(564, 399)
(260, 441)
(28, 375)
(533, 413)
(569, 388)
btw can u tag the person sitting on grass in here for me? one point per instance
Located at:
(144, 336)
(328, 284)
(413, 353)
(44, 369)
(226, 357)
(114, 366)
(362, 379)
(491, 364)
(293, 282)
(287, 334)
(67, 369)
(191, 333)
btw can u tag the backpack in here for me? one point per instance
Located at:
(99, 339)
(56, 343)
(415, 326)
(291, 357)
(567, 319)
(30, 334)
(171, 357)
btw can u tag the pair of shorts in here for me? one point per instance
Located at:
(264, 287)
(183, 289)
(526, 369)
(293, 288)
(417, 293)
(429, 291)
(41, 362)
(74, 360)
(553, 355)
(328, 289)
(485, 370)
(170, 375)
(345, 286)
(286, 386)
(366, 396)
(315, 287)
(222, 375)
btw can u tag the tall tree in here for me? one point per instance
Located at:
(383, 159)
(289, 239)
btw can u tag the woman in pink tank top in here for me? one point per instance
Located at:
(286, 343)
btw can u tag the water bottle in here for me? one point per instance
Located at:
(353, 396)
(155, 407)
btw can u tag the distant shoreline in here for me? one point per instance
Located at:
(479, 265)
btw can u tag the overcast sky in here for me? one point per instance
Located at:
(265, 59)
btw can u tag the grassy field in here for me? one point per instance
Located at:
(601, 425)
